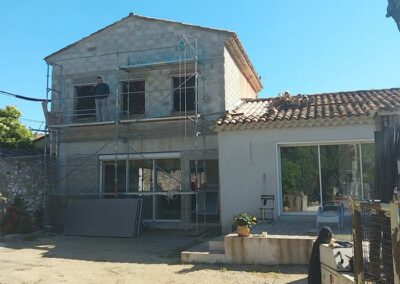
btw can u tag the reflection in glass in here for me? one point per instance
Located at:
(140, 175)
(210, 179)
(368, 169)
(168, 173)
(340, 173)
(300, 178)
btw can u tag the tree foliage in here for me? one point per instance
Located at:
(13, 134)
(300, 171)
(393, 10)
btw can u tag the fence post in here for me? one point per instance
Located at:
(357, 238)
(394, 224)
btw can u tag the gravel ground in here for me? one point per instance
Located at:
(154, 257)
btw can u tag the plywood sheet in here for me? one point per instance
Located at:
(103, 217)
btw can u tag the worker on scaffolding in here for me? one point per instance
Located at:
(101, 91)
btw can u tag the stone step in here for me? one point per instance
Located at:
(207, 252)
(202, 257)
(216, 246)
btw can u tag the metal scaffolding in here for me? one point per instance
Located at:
(188, 53)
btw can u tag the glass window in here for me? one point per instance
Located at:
(368, 169)
(343, 177)
(161, 175)
(340, 173)
(147, 210)
(300, 179)
(84, 107)
(210, 179)
(109, 177)
(208, 204)
(168, 207)
(140, 175)
(133, 97)
(184, 93)
(168, 173)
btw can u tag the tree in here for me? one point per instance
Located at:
(393, 10)
(13, 134)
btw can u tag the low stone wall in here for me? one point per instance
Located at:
(24, 176)
(268, 250)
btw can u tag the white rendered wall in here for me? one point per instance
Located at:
(246, 158)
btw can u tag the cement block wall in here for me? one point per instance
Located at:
(245, 157)
(236, 85)
(149, 41)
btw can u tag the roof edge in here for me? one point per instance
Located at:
(315, 122)
(235, 46)
(131, 15)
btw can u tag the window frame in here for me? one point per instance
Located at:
(153, 157)
(124, 112)
(175, 89)
(85, 116)
(279, 145)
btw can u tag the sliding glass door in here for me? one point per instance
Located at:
(148, 176)
(340, 173)
(168, 177)
(318, 174)
(300, 179)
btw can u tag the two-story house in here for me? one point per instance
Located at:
(169, 82)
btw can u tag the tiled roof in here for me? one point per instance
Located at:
(341, 105)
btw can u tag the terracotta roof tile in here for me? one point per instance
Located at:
(305, 107)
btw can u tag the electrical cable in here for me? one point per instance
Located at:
(23, 97)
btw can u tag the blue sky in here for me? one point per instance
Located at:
(301, 46)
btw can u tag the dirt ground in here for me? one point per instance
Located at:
(154, 257)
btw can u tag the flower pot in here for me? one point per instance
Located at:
(243, 231)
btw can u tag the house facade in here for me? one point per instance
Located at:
(168, 82)
(305, 150)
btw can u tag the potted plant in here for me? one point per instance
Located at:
(243, 223)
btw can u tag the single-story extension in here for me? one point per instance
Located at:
(305, 150)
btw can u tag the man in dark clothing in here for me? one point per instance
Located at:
(101, 91)
(314, 267)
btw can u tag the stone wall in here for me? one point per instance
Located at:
(24, 177)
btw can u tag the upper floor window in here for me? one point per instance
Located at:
(133, 97)
(184, 93)
(84, 103)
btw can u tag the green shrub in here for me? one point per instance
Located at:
(244, 219)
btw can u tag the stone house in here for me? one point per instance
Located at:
(169, 82)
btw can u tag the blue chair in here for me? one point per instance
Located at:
(331, 213)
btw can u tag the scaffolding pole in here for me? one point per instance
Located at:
(190, 44)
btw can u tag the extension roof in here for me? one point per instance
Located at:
(317, 109)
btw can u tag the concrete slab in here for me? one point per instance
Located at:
(268, 250)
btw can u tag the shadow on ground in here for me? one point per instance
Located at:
(284, 269)
(300, 281)
(152, 247)
(261, 271)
